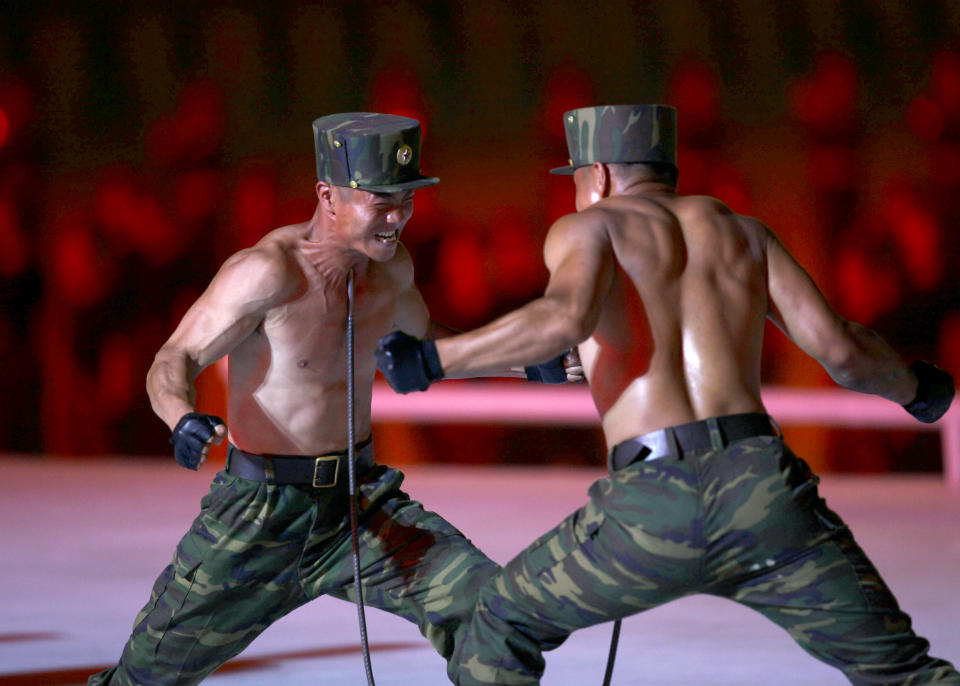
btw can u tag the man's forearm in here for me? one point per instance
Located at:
(436, 331)
(170, 387)
(872, 366)
(534, 333)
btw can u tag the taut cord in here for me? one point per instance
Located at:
(613, 653)
(352, 478)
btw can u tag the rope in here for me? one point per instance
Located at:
(352, 471)
(613, 653)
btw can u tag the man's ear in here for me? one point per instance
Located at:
(601, 179)
(327, 195)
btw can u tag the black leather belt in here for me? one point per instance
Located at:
(674, 441)
(319, 471)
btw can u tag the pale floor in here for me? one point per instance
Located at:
(82, 542)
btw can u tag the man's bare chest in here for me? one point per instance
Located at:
(316, 323)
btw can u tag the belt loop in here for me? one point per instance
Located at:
(269, 473)
(672, 445)
(717, 440)
(776, 427)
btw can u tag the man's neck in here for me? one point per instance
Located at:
(647, 188)
(329, 254)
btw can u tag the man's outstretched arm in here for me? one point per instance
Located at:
(412, 319)
(580, 260)
(855, 356)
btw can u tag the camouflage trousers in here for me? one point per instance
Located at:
(258, 551)
(743, 522)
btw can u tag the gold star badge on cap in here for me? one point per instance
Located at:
(404, 155)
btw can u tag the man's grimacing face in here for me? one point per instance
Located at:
(374, 221)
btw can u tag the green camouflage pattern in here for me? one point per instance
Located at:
(258, 551)
(620, 133)
(743, 522)
(375, 152)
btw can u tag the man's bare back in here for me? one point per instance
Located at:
(667, 296)
(679, 333)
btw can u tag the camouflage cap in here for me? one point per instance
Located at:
(620, 133)
(374, 152)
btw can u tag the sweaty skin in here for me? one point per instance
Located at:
(667, 296)
(279, 310)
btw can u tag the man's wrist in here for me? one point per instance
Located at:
(431, 360)
(911, 388)
(550, 372)
(441, 350)
(173, 418)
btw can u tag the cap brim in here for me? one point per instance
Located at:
(406, 186)
(563, 170)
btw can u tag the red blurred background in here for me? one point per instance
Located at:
(140, 147)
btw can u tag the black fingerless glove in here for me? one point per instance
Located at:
(549, 372)
(190, 436)
(408, 363)
(935, 392)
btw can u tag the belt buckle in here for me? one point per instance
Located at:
(316, 470)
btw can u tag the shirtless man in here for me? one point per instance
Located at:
(273, 532)
(667, 297)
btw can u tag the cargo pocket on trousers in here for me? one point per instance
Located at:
(171, 601)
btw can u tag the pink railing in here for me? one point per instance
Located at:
(520, 403)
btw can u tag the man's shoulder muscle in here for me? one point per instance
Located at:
(584, 233)
(265, 273)
(591, 222)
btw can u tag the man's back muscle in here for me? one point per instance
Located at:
(680, 334)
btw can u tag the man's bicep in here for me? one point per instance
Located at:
(581, 263)
(797, 306)
(209, 332)
(230, 309)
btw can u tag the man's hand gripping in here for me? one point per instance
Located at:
(408, 363)
(935, 391)
(192, 437)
